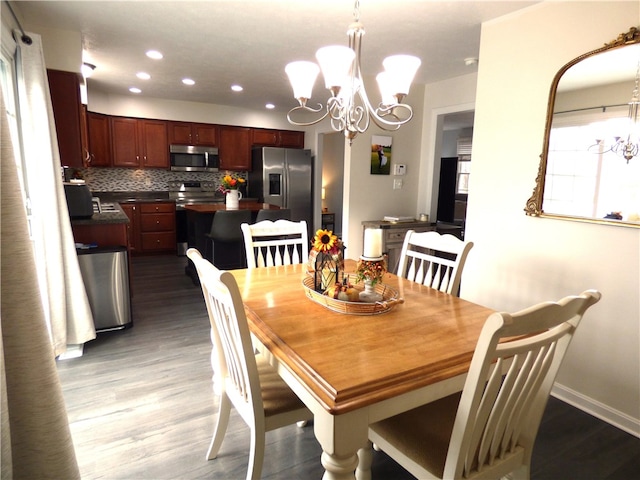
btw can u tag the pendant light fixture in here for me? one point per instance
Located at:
(349, 108)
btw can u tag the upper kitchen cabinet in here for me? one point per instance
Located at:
(65, 99)
(139, 142)
(235, 148)
(99, 140)
(185, 133)
(264, 137)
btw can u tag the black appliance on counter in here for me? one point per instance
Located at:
(79, 200)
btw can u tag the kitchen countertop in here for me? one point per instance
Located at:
(130, 197)
(243, 205)
(104, 218)
(385, 224)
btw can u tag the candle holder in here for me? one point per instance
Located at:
(370, 270)
(327, 260)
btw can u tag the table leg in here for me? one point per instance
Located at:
(365, 459)
(341, 437)
(338, 468)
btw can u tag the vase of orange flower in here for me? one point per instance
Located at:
(229, 187)
(370, 271)
(326, 260)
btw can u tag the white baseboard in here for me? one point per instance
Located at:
(599, 410)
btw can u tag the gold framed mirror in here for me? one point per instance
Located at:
(590, 163)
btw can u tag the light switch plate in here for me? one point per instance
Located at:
(399, 169)
(397, 183)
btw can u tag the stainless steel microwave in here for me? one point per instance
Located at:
(192, 158)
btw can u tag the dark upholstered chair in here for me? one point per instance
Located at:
(273, 215)
(225, 245)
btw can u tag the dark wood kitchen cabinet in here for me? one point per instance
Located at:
(99, 134)
(139, 142)
(235, 148)
(133, 229)
(65, 100)
(187, 133)
(264, 137)
(157, 227)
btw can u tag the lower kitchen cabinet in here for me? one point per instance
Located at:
(133, 229)
(105, 234)
(157, 227)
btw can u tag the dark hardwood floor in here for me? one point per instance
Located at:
(140, 405)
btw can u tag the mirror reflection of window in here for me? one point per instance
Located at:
(584, 178)
(590, 166)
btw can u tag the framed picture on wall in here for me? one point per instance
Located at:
(380, 155)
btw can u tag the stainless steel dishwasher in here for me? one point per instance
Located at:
(105, 271)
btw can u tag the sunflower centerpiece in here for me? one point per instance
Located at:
(326, 259)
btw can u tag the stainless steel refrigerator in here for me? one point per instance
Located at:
(283, 177)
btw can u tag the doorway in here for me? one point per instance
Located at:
(452, 171)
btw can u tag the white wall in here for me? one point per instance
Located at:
(145, 107)
(440, 98)
(518, 260)
(370, 197)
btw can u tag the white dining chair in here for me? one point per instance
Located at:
(244, 380)
(269, 243)
(488, 430)
(434, 260)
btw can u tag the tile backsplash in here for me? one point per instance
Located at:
(138, 180)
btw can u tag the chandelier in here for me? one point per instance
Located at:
(628, 144)
(348, 107)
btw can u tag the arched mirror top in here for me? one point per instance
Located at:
(590, 162)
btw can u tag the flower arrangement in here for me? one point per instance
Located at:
(371, 271)
(326, 259)
(326, 242)
(229, 182)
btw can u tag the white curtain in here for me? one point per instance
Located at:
(35, 439)
(65, 300)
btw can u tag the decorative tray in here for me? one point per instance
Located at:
(389, 299)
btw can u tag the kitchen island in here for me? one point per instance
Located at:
(199, 219)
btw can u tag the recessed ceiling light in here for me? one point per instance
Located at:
(236, 88)
(188, 81)
(270, 106)
(156, 55)
(143, 75)
(135, 90)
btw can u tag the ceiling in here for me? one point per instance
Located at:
(218, 43)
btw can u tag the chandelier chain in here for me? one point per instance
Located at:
(356, 10)
(636, 90)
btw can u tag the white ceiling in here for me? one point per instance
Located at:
(221, 42)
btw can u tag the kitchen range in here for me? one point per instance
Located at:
(190, 193)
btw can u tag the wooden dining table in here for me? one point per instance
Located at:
(354, 370)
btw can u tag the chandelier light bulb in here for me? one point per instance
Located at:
(386, 88)
(336, 62)
(302, 76)
(401, 70)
